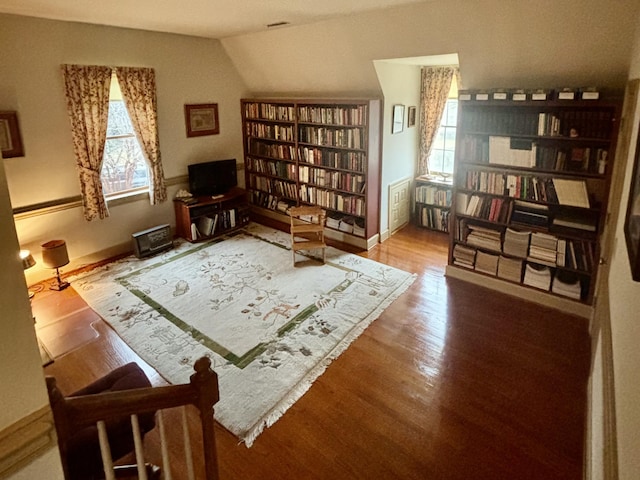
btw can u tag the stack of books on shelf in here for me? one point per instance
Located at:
(567, 284)
(537, 276)
(486, 263)
(484, 237)
(528, 213)
(464, 256)
(543, 248)
(516, 243)
(510, 269)
(207, 225)
(333, 220)
(346, 224)
(358, 228)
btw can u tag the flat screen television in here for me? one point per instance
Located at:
(212, 178)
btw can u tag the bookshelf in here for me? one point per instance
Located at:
(531, 189)
(323, 152)
(432, 203)
(204, 218)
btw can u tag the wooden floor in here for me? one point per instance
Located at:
(451, 382)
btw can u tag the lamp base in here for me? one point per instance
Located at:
(59, 286)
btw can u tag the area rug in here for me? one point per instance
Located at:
(270, 329)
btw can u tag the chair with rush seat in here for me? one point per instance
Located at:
(307, 229)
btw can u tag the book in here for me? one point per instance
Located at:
(205, 225)
(571, 192)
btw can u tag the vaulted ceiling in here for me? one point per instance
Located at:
(203, 18)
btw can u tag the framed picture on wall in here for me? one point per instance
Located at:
(397, 119)
(10, 139)
(201, 119)
(411, 118)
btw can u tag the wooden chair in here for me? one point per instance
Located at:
(307, 229)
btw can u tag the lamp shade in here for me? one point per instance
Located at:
(54, 254)
(27, 259)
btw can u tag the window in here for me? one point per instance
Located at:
(442, 152)
(124, 169)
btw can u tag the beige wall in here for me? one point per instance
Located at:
(188, 70)
(625, 324)
(499, 43)
(23, 390)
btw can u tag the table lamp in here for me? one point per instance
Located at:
(54, 255)
(27, 262)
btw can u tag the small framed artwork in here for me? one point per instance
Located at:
(201, 119)
(10, 139)
(411, 118)
(398, 119)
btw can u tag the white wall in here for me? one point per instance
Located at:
(400, 85)
(625, 324)
(188, 70)
(545, 43)
(24, 390)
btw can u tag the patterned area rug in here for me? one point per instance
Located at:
(270, 329)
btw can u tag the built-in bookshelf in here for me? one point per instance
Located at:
(531, 190)
(322, 152)
(432, 203)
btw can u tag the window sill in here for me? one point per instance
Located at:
(128, 197)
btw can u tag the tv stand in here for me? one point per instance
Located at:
(211, 216)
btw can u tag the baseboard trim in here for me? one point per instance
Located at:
(25, 440)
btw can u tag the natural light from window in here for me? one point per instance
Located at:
(443, 149)
(124, 169)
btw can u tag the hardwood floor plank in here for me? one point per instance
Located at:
(453, 381)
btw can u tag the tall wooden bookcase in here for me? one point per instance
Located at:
(322, 152)
(531, 190)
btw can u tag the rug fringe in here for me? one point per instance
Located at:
(305, 384)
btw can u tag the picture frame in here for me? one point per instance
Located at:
(632, 218)
(10, 138)
(411, 117)
(397, 124)
(201, 119)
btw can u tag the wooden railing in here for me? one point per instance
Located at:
(74, 413)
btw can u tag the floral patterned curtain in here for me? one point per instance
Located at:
(138, 86)
(434, 90)
(87, 92)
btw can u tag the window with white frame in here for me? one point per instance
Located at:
(124, 169)
(443, 149)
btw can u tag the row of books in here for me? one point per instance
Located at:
(433, 217)
(560, 282)
(346, 224)
(275, 168)
(342, 115)
(494, 209)
(269, 111)
(346, 181)
(433, 195)
(570, 123)
(350, 204)
(559, 191)
(271, 201)
(334, 137)
(208, 225)
(280, 188)
(530, 154)
(273, 150)
(355, 161)
(539, 247)
(274, 132)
